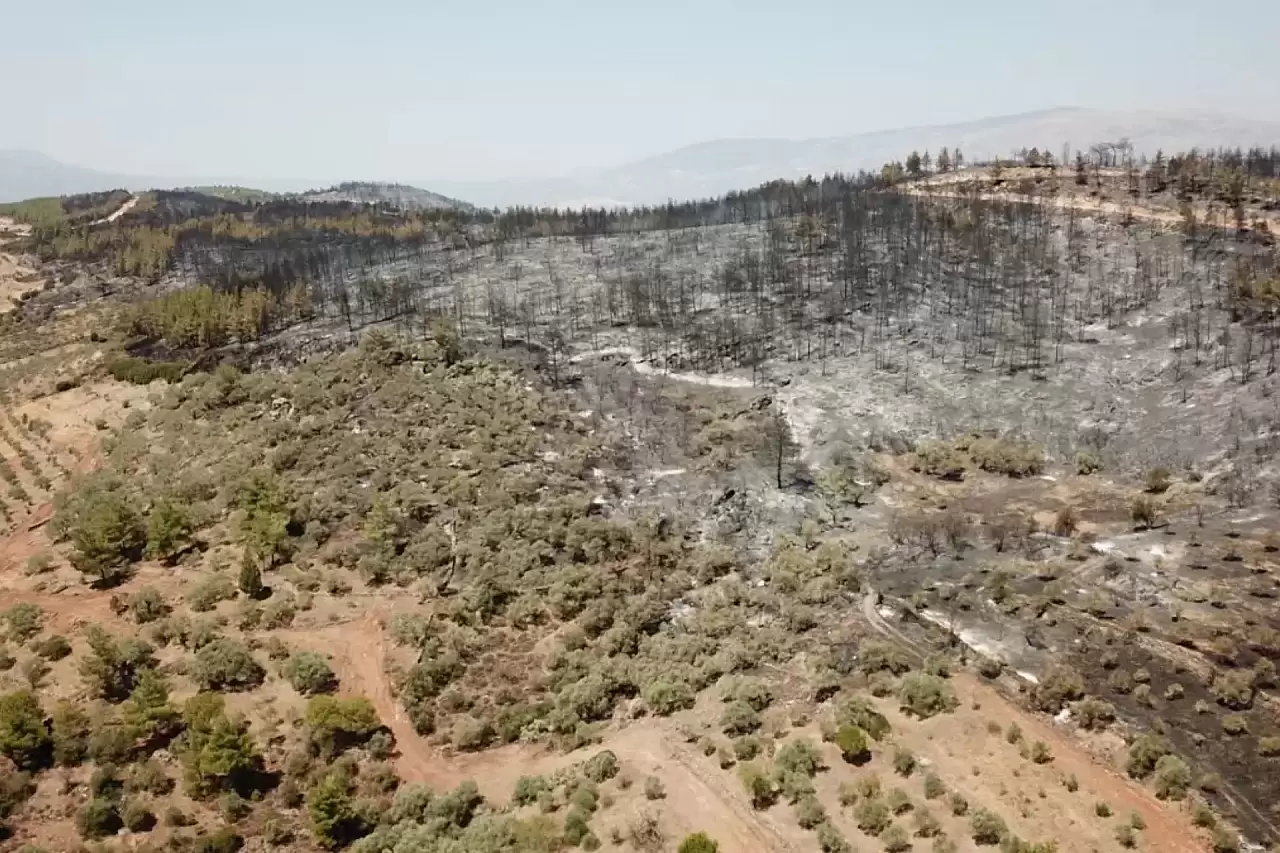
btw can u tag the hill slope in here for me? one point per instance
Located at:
(28, 174)
(401, 196)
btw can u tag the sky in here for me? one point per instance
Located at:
(384, 89)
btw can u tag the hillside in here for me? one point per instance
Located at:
(907, 511)
(399, 196)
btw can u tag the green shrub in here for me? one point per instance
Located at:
(878, 656)
(205, 596)
(335, 821)
(666, 697)
(1269, 747)
(758, 785)
(739, 718)
(141, 371)
(852, 742)
(858, 712)
(1040, 753)
(310, 673)
(226, 664)
(872, 815)
(927, 826)
(987, 827)
(1224, 840)
(925, 695)
(24, 620)
(898, 801)
(1145, 751)
(831, 841)
(958, 804)
(336, 724)
(137, 817)
(1102, 809)
(98, 819)
(148, 605)
(24, 738)
(799, 756)
(895, 839)
(698, 842)
(1172, 778)
(105, 532)
(601, 767)
(933, 786)
(809, 812)
(169, 530)
(653, 789)
(54, 648)
(1235, 725)
(904, 762)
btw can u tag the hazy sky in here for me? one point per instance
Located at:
(500, 88)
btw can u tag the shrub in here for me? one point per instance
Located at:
(987, 827)
(1126, 837)
(169, 530)
(1224, 840)
(793, 786)
(653, 789)
(666, 697)
(1234, 724)
(1172, 778)
(698, 842)
(1093, 714)
(1102, 809)
(1061, 684)
(1065, 523)
(1087, 463)
(24, 738)
(904, 762)
(334, 819)
(1143, 511)
(1202, 815)
(1269, 747)
(1233, 689)
(758, 785)
(310, 673)
(137, 817)
(105, 532)
(54, 648)
(739, 718)
(98, 819)
(895, 839)
(205, 596)
(809, 812)
(830, 840)
(601, 767)
(528, 789)
(898, 801)
(878, 656)
(799, 756)
(226, 664)
(926, 695)
(148, 605)
(24, 620)
(1158, 480)
(958, 804)
(933, 786)
(1040, 753)
(872, 815)
(1145, 751)
(338, 724)
(69, 731)
(852, 742)
(858, 712)
(927, 826)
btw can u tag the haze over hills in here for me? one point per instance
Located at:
(718, 166)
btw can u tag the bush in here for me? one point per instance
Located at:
(1224, 840)
(1126, 837)
(105, 532)
(927, 826)
(758, 785)
(1087, 463)
(98, 819)
(1158, 480)
(799, 756)
(601, 767)
(226, 664)
(666, 697)
(1233, 689)
(54, 648)
(205, 596)
(1172, 778)
(895, 839)
(1234, 724)
(1145, 751)
(142, 371)
(958, 804)
(1093, 714)
(809, 812)
(858, 712)
(137, 817)
(1143, 511)
(873, 815)
(987, 827)
(469, 733)
(528, 789)
(852, 742)
(1269, 747)
(24, 738)
(1102, 809)
(334, 819)
(1060, 685)
(926, 695)
(878, 656)
(698, 842)
(310, 673)
(933, 786)
(831, 841)
(904, 762)
(24, 620)
(653, 789)
(169, 530)
(148, 605)
(1040, 753)
(898, 801)
(338, 724)
(739, 718)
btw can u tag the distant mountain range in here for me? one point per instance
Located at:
(713, 168)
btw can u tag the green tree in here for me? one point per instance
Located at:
(24, 737)
(168, 530)
(69, 729)
(334, 819)
(111, 668)
(218, 753)
(251, 578)
(853, 744)
(106, 534)
(148, 709)
(914, 164)
(337, 724)
(226, 664)
(264, 519)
